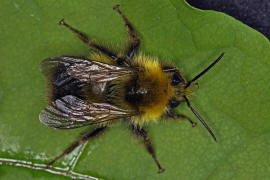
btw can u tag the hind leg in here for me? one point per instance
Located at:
(81, 140)
(135, 40)
(90, 43)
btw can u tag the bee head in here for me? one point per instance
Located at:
(179, 83)
(184, 91)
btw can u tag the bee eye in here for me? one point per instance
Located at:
(176, 79)
(174, 103)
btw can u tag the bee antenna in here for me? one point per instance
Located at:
(200, 118)
(204, 71)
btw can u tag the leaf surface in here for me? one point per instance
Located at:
(233, 98)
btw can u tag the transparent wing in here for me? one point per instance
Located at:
(71, 112)
(83, 69)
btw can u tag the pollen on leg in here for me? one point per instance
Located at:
(62, 22)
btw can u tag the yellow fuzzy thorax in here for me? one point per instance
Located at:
(101, 58)
(158, 83)
(150, 77)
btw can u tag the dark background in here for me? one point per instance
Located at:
(254, 13)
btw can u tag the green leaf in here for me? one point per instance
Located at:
(233, 98)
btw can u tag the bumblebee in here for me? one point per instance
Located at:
(104, 87)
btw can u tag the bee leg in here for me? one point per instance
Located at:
(169, 69)
(90, 43)
(135, 40)
(141, 133)
(172, 115)
(79, 141)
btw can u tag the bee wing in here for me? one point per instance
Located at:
(83, 69)
(71, 112)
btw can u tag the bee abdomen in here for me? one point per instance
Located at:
(62, 84)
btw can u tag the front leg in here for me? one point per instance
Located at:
(172, 115)
(141, 133)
